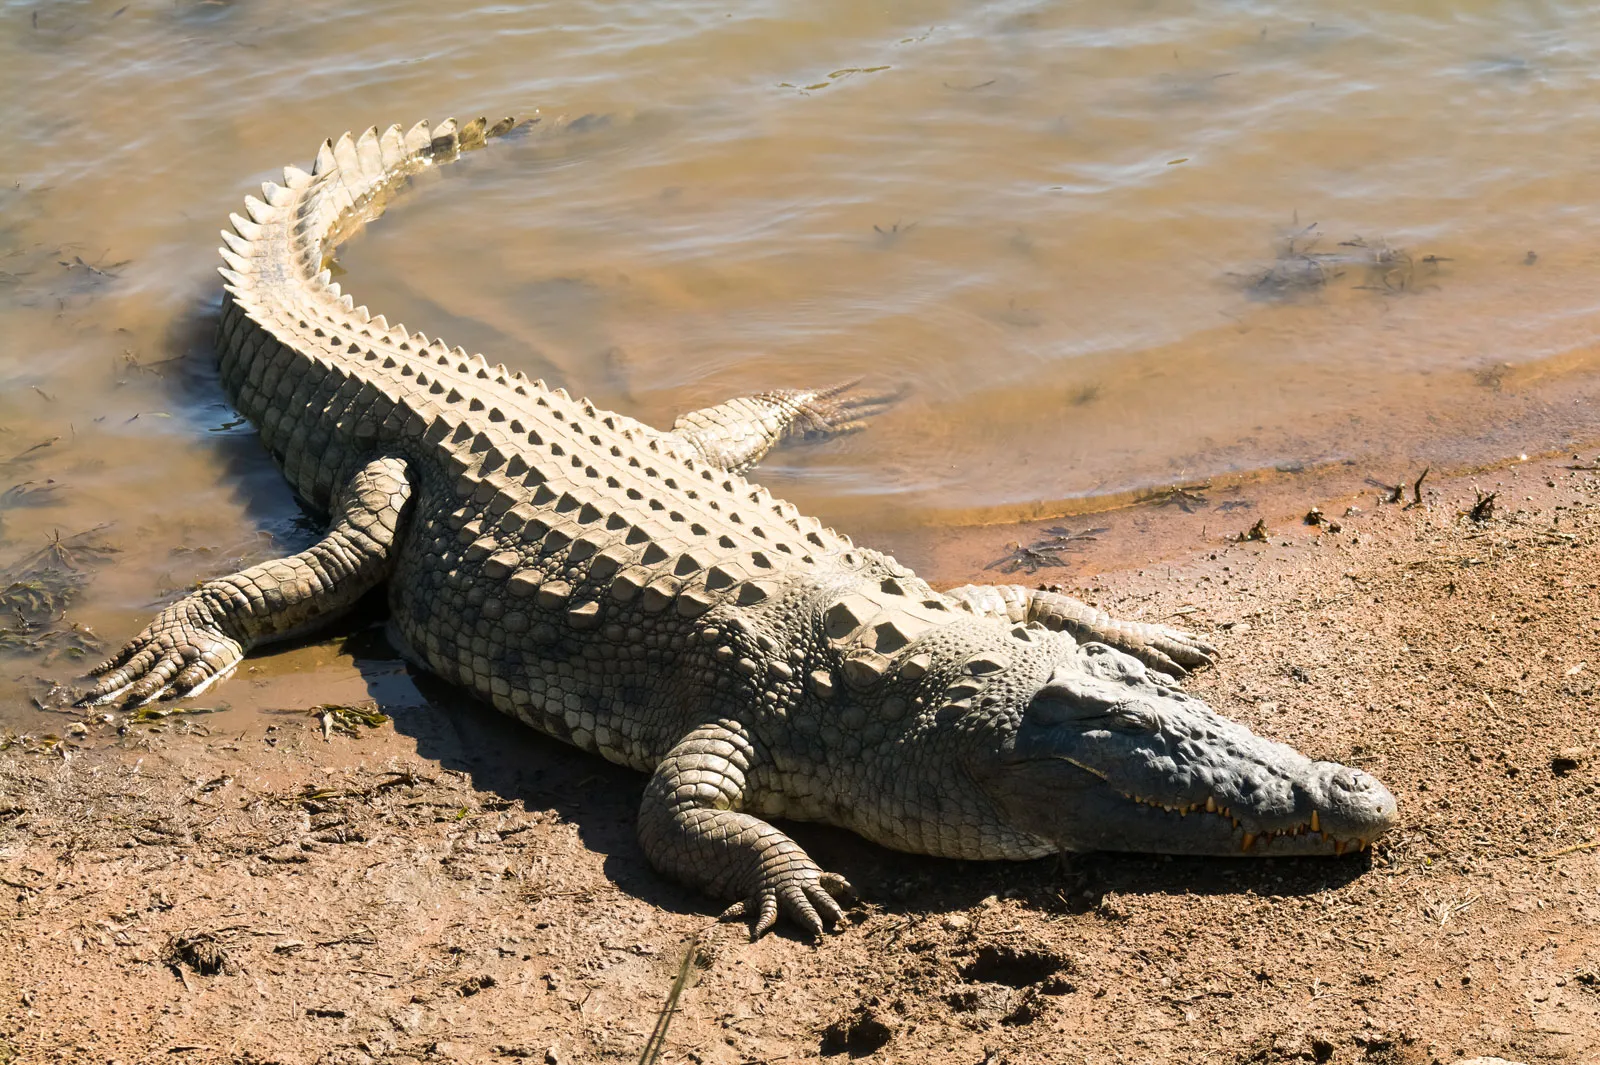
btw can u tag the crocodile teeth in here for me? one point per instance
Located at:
(1249, 838)
(1316, 823)
(1211, 805)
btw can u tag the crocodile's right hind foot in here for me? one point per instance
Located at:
(839, 409)
(736, 435)
(182, 652)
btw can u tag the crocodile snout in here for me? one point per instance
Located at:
(1349, 802)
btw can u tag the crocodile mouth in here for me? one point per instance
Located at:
(1227, 793)
(1301, 837)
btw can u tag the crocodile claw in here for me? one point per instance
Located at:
(803, 893)
(179, 653)
(1171, 650)
(843, 408)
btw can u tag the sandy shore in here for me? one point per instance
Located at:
(238, 887)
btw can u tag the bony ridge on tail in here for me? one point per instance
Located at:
(627, 590)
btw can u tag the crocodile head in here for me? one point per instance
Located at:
(1108, 755)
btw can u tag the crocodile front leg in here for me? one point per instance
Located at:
(1169, 650)
(201, 638)
(691, 828)
(736, 435)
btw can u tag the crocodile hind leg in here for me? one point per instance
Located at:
(1169, 650)
(201, 638)
(736, 435)
(692, 828)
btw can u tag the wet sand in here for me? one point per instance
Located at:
(452, 887)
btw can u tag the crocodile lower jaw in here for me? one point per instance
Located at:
(1259, 841)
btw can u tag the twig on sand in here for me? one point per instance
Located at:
(1416, 488)
(1576, 847)
(658, 1037)
(1392, 493)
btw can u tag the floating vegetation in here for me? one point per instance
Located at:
(1186, 497)
(1299, 268)
(833, 78)
(144, 714)
(39, 275)
(347, 720)
(28, 455)
(1045, 553)
(36, 591)
(29, 743)
(889, 236)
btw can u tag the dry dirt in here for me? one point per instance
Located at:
(451, 887)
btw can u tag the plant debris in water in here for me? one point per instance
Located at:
(29, 743)
(347, 720)
(1299, 268)
(142, 714)
(36, 591)
(29, 494)
(1045, 553)
(1186, 497)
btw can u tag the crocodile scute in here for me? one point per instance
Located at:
(627, 590)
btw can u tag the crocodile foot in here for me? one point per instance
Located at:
(1169, 650)
(182, 652)
(840, 409)
(801, 891)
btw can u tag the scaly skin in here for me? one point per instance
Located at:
(628, 591)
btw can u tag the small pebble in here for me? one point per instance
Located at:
(1567, 759)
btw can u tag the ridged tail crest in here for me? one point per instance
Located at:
(293, 352)
(277, 252)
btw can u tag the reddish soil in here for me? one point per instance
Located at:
(452, 887)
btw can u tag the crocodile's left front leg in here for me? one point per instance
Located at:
(1169, 650)
(735, 435)
(692, 827)
(201, 638)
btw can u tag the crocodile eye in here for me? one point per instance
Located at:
(1125, 720)
(1088, 705)
(1090, 698)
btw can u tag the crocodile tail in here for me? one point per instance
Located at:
(275, 257)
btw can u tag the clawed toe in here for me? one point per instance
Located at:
(171, 659)
(1178, 653)
(843, 408)
(812, 903)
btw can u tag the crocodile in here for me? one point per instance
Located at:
(627, 590)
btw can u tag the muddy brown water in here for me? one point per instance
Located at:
(1107, 248)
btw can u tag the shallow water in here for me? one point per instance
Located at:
(1106, 249)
